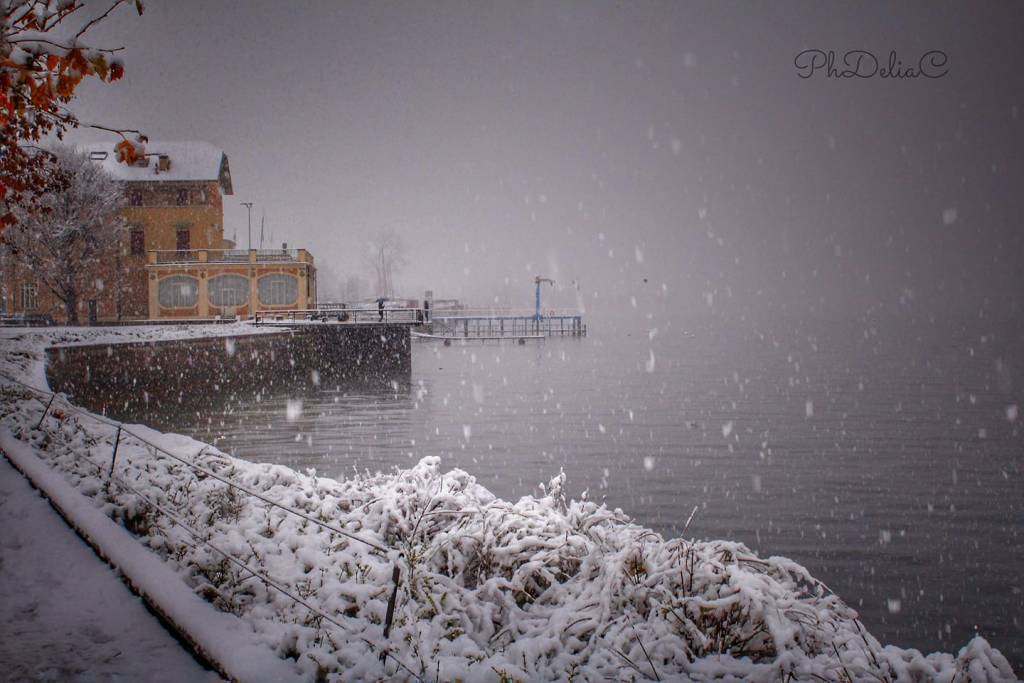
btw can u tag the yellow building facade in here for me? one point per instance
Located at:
(219, 283)
(179, 264)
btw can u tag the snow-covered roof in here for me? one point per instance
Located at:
(188, 161)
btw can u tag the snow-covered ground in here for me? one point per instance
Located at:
(65, 615)
(539, 589)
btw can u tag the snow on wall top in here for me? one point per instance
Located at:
(166, 161)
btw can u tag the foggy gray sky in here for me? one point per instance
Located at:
(607, 143)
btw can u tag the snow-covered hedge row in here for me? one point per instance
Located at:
(539, 589)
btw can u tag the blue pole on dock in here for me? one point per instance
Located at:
(537, 280)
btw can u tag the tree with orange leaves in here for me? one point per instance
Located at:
(43, 59)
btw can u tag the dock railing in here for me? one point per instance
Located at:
(491, 322)
(464, 322)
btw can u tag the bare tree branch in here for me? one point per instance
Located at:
(61, 239)
(98, 19)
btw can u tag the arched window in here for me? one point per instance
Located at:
(278, 290)
(229, 290)
(178, 291)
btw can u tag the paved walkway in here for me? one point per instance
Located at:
(64, 614)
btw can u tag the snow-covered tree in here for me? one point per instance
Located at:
(43, 59)
(67, 235)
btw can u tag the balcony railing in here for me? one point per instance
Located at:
(277, 254)
(188, 256)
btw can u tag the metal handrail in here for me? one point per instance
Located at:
(213, 255)
(202, 539)
(120, 426)
(362, 316)
(277, 254)
(122, 430)
(368, 313)
(176, 255)
(504, 313)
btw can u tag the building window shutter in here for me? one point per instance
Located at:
(138, 241)
(184, 239)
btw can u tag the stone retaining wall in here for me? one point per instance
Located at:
(122, 380)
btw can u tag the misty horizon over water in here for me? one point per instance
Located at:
(606, 145)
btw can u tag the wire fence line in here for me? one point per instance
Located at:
(199, 536)
(199, 468)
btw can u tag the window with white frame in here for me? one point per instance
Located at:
(178, 291)
(28, 297)
(228, 290)
(278, 290)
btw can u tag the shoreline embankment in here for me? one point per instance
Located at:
(119, 378)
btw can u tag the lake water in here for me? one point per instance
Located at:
(888, 461)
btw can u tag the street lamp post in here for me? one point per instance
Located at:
(248, 206)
